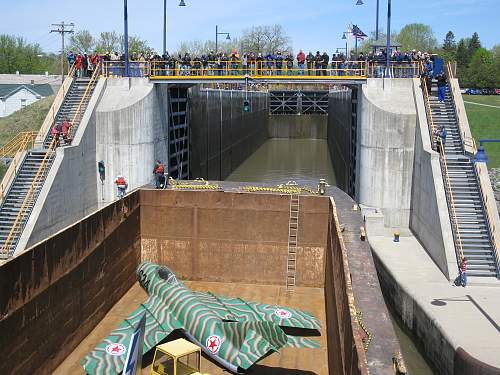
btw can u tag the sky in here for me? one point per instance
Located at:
(311, 24)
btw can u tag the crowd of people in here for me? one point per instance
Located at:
(84, 64)
(279, 63)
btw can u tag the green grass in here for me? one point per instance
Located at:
(26, 119)
(485, 124)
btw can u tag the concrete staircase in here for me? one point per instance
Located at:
(471, 228)
(69, 107)
(18, 204)
(17, 194)
(293, 230)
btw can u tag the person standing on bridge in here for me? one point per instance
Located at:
(310, 63)
(301, 59)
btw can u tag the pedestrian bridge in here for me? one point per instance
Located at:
(337, 72)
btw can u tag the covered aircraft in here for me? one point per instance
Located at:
(234, 333)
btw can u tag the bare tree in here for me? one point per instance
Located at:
(265, 39)
(109, 41)
(82, 42)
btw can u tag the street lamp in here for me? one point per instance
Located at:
(217, 37)
(360, 2)
(181, 4)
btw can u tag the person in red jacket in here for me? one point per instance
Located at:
(121, 185)
(78, 65)
(301, 59)
(65, 130)
(159, 172)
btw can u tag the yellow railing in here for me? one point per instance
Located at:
(444, 170)
(19, 143)
(37, 183)
(236, 70)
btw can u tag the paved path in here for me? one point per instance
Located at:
(470, 317)
(484, 105)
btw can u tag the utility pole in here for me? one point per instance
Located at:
(63, 29)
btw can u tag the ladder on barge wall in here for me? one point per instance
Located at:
(293, 230)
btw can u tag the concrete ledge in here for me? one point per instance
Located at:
(445, 320)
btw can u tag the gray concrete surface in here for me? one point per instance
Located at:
(429, 217)
(69, 192)
(298, 126)
(441, 316)
(386, 138)
(130, 133)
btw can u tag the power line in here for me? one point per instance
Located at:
(63, 29)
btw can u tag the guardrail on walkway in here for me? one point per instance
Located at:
(41, 173)
(227, 70)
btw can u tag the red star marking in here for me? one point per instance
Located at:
(283, 313)
(116, 349)
(213, 344)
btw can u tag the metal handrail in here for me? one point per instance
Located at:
(78, 112)
(37, 181)
(19, 143)
(458, 236)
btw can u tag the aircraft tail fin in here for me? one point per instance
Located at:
(133, 363)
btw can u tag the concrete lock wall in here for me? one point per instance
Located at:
(222, 135)
(131, 133)
(298, 126)
(69, 192)
(232, 237)
(55, 293)
(429, 218)
(386, 138)
(339, 135)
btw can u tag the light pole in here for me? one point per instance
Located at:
(360, 2)
(388, 47)
(181, 4)
(125, 36)
(228, 37)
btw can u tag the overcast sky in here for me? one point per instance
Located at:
(311, 24)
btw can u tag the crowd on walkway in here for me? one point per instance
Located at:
(84, 64)
(269, 64)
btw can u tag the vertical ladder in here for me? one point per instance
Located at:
(293, 230)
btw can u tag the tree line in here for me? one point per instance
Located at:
(477, 67)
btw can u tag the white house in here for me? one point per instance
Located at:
(13, 97)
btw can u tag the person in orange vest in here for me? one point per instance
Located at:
(122, 186)
(159, 172)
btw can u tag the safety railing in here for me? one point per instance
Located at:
(14, 149)
(77, 117)
(444, 169)
(227, 69)
(19, 143)
(38, 179)
(236, 69)
(397, 69)
(56, 104)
